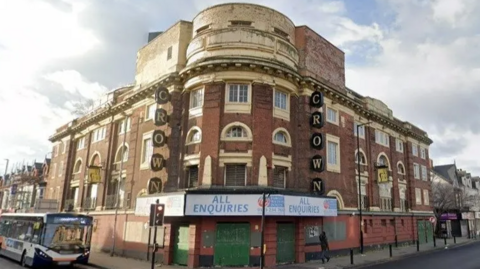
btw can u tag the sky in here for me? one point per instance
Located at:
(420, 57)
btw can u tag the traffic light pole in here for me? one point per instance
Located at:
(154, 249)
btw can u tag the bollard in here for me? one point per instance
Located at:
(434, 241)
(390, 249)
(396, 241)
(351, 256)
(454, 239)
(445, 240)
(418, 245)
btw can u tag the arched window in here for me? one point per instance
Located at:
(78, 166)
(194, 135)
(382, 160)
(95, 160)
(360, 157)
(122, 153)
(236, 132)
(401, 168)
(280, 137)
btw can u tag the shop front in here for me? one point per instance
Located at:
(230, 226)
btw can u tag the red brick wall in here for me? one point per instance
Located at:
(319, 58)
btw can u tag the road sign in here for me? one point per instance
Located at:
(432, 219)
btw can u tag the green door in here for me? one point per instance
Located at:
(180, 250)
(285, 242)
(421, 231)
(232, 244)
(429, 231)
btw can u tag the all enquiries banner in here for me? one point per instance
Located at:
(251, 205)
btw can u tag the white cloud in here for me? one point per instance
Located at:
(73, 82)
(428, 74)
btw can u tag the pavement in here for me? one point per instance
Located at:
(464, 251)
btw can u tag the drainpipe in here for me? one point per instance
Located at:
(117, 193)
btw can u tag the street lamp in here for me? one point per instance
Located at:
(360, 185)
(262, 232)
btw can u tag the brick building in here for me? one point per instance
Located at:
(241, 80)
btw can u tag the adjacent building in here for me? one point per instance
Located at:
(23, 187)
(255, 105)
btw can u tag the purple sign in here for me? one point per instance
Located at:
(448, 216)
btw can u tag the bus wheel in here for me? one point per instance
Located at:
(23, 261)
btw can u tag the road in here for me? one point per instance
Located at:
(464, 257)
(9, 264)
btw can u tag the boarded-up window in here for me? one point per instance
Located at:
(240, 23)
(169, 53)
(235, 174)
(192, 174)
(279, 177)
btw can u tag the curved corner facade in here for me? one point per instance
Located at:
(243, 32)
(256, 105)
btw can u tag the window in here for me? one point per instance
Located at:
(332, 115)
(238, 93)
(241, 23)
(236, 132)
(418, 196)
(55, 150)
(81, 143)
(169, 53)
(280, 33)
(280, 137)
(360, 156)
(424, 172)
(192, 175)
(196, 98)
(203, 29)
(403, 205)
(124, 125)
(147, 150)
(60, 171)
(122, 154)
(333, 154)
(399, 145)
(416, 171)
(382, 138)
(280, 100)
(195, 136)
(64, 147)
(364, 201)
(423, 153)
(361, 130)
(55, 169)
(279, 177)
(235, 174)
(401, 169)
(281, 105)
(426, 197)
(150, 114)
(382, 160)
(99, 134)
(414, 150)
(78, 167)
(237, 98)
(385, 204)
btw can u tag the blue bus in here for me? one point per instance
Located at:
(44, 240)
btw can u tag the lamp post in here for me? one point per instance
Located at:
(360, 185)
(262, 232)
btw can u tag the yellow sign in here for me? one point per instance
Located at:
(382, 175)
(94, 175)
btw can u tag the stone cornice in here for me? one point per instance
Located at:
(272, 68)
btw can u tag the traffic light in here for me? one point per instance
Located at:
(156, 214)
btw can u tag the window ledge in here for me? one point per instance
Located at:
(195, 112)
(238, 108)
(333, 168)
(283, 114)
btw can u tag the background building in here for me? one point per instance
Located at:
(240, 79)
